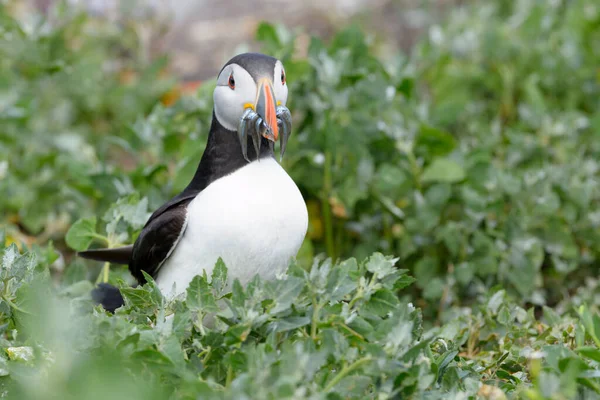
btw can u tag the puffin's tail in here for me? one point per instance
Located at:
(119, 255)
(108, 296)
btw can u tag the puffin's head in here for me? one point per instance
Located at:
(250, 98)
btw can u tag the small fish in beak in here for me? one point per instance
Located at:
(265, 119)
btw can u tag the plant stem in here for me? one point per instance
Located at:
(105, 271)
(229, 376)
(352, 331)
(100, 237)
(16, 307)
(328, 220)
(416, 171)
(104, 274)
(103, 277)
(345, 371)
(207, 357)
(596, 340)
(315, 319)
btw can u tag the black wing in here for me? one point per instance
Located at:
(159, 237)
(156, 241)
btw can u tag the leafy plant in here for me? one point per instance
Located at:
(337, 331)
(473, 160)
(67, 98)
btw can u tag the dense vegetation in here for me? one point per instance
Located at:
(472, 162)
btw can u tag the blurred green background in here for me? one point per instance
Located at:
(461, 137)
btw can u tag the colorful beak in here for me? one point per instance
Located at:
(265, 108)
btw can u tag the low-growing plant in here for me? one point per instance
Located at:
(337, 331)
(473, 160)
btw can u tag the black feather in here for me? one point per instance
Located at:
(157, 240)
(119, 255)
(108, 296)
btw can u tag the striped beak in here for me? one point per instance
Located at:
(265, 108)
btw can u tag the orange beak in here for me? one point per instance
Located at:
(265, 107)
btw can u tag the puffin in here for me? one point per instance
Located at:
(240, 205)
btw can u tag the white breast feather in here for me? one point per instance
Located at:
(255, 219)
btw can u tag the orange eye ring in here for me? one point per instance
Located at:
(282, 77)
(231, 82)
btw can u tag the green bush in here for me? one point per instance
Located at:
(473, 160)
(67, 100)
(336, 332)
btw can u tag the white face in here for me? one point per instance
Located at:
(236, 90)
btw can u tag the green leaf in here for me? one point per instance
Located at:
(434, 289)
(444, 360)
(339, 284)
(443, 170)
(382, 302)
(504, 315)
(288, 324)
(200, 297)
(237, 334)
(464, 273)
(452, 237)
(551, 316)
(127, 212)
(380, 265)
(432, 142)
(151, 357)
(81, 234)
(219, 278)
(404, 281)
(266, 33)
(496, 301)
(139, 297)
(17, 265)
(391, 180)
(238, 297)
(21, 353)
(592, 353)
(287, 291)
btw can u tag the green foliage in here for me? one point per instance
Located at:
(339, 330)
(67, 99)
(81, 234)
(474, 161)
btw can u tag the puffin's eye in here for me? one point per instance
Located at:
(231, 82)
(282, 77)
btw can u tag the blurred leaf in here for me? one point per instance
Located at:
(431, 142)
(81, 233)
(443, 170)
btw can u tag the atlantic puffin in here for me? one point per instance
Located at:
(240, 205)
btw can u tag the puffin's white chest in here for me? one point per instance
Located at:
(255, 219)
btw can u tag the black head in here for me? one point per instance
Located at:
(258, 65)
